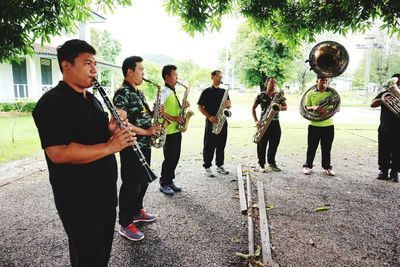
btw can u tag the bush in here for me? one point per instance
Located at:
(16, 106)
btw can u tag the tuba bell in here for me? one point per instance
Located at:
(327, 59)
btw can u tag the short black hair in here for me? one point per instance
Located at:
(262, 84)
(397, 75)
(130, 63)
(215, 72)
(167, 69)
(71, 50)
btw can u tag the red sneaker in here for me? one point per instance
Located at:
(131, 232)
(144, 217)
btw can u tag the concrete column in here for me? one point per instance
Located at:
(34, 85)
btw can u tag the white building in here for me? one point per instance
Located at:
(36, 74)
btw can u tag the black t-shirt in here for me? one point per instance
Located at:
(63, 116)
(211, 98)
(389, 121)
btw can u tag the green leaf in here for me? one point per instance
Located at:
(269, 206)
(257, 253)
(242, 255)
(323, 208)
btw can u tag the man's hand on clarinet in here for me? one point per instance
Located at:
(121, 139)
(113, 126)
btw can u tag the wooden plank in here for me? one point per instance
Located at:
(264, 231)
(242, 194)
(250, 216)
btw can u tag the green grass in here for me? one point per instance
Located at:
(240, 134)
(26, 139)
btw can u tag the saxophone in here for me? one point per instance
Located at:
(266, 119)
(182, 127)
(221, 115)
(157, 140)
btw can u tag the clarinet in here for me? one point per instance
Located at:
(150, 174)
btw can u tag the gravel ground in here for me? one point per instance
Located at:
(202, 226)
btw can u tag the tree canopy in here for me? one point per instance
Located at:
(107, 49)
(379, 63)
(257, 56)
(290, 21)
(24, 22)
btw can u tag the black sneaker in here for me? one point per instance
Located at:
(394, 177)
(221, 169)
(209, 172)
(382, 176)
(175, 188)
(274, 167)
(167, 190)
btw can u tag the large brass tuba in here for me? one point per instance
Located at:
(327, 59)
(391, 99)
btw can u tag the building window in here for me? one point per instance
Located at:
(20, 79)
(45, 66)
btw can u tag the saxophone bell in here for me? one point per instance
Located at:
(227, 113)
(276, 107)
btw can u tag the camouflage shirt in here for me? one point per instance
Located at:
(264, 100)
(135, 104)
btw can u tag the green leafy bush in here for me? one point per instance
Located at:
(17, 106)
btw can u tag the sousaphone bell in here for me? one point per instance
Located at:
(327, 59)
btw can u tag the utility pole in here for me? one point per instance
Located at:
(226, 65)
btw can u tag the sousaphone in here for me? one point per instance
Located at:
(327, 59)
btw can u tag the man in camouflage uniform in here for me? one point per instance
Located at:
(134, 182)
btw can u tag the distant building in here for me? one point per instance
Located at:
(36, 74)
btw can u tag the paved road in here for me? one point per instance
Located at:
(347, 115)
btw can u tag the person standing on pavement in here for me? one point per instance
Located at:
(319, 131)
(79, 144)
(172, 145)
(388, 136)
(208, 104)
(134, 182)
(273, 133)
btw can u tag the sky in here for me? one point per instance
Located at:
(146, 28)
